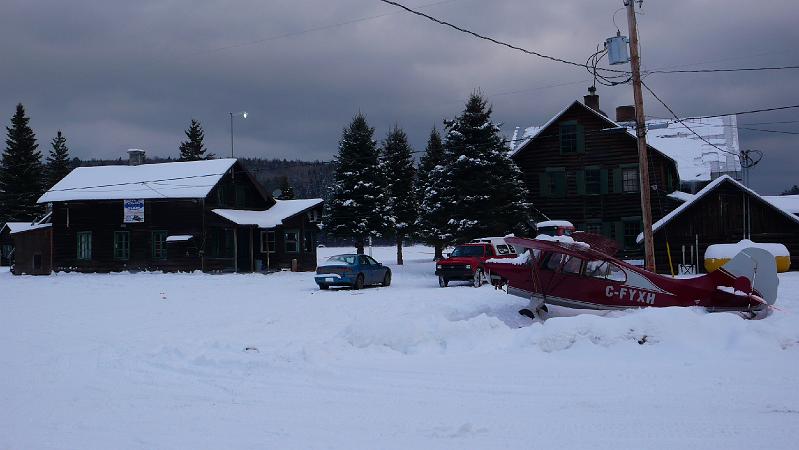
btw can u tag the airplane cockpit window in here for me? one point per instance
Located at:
(566, 263)
(572, 265)
(605, 270)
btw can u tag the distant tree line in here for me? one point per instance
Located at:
(465, 185)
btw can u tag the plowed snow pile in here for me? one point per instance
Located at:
(149, 361)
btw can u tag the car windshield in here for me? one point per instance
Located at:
(342, 259)
(468, 250)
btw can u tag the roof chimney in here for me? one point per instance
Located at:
(625, 113)
(592, 100)
(135, 157)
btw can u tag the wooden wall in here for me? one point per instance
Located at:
(718, 218)
(32, 252)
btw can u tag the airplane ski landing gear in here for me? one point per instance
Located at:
(526, 312)
(537, 308)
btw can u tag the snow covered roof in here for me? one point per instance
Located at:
(707, 189)
(788, 203)
(179, 238)
(271, 217)
(696, 160)
(681, 196)
(188, 179)
(19, 227)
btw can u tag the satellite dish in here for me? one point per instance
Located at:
(277, 193)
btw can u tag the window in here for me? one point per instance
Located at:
(503, 249)
(566, 263)
(84, 245)
(292, 238)
(605, 270)
(568, 138)
(553, 182)
(121, 245)
(593, 184)
(572, 265)
(593, 227)
(158, 250)
(631, 230)
(364, 260)
(268, 242)
(308, 242)
(629, 179)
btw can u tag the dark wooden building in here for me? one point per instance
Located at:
(715, 215)
(162, 217)
(583, 167)
(33, 250)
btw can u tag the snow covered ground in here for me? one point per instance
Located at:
(159, 361)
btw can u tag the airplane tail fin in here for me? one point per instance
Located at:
(754, 268)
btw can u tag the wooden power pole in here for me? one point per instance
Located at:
(640, 132)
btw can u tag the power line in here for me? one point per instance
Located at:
(495, 41)
(735, 69)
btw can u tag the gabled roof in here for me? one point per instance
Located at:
(706, 190)
(789, 203)
(189, 179)
(20, 227)
(272, 217)
(533, 132)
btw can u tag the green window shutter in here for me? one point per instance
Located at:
(580, 175)
(606, 229)
(543, 179)
(560, 184)
(603, 181)
(617, 187)
(620, 234)
(580, 139)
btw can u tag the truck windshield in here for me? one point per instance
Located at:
(468, 250)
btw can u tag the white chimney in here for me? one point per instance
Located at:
(135, 156)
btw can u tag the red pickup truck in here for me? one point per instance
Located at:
(465, 263)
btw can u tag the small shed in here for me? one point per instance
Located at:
(717, 214)
(7, 242)
(33, 250)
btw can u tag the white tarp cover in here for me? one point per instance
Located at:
(271, 217)
(189, 179)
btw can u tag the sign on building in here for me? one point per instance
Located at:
(133, 210)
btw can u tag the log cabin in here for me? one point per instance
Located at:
(177, 216)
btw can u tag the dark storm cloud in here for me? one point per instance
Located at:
(115, 75)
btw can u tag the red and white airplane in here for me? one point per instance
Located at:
(567, 272)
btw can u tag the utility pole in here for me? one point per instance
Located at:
(640, 132)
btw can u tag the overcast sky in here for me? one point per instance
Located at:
(115, 75)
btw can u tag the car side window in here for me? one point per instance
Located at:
(371, 260)
(502, 249)
(364, 260)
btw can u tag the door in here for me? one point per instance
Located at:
(367, 268)
(243, 249)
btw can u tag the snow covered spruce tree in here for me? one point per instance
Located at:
(399, 177)
(21, 172)
(58, 165)
(193, 149)
(490, 197)
(357, 201)
(431, 224)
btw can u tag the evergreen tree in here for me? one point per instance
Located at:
(489, 193)
(58, 164)
(357, 200)
(431, 223)
(193, 149)
(792, 191)
(286, 191)
(21, 172)
(399, 177)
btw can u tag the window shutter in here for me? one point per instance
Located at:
(603, 181)
(560, 184)
(620, 234)
(617, 187)
(606, 229)
(543, 179)
(580, 139)
(580, 175)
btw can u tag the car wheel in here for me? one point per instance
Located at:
(324, 287)
(477, 281)
(442, 282)
(387, 278)
(358, 282)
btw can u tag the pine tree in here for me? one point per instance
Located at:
(399, 178)
(58, 164)
(490, 196)
(21, 172)
(194, 149)
(431, 223)
(286, 191)
(357, 200)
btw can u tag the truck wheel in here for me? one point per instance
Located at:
(477, 281)
(442, 282)
(358, 282)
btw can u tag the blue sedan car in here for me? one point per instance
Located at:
(355, 271)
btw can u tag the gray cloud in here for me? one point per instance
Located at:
(115, 75)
